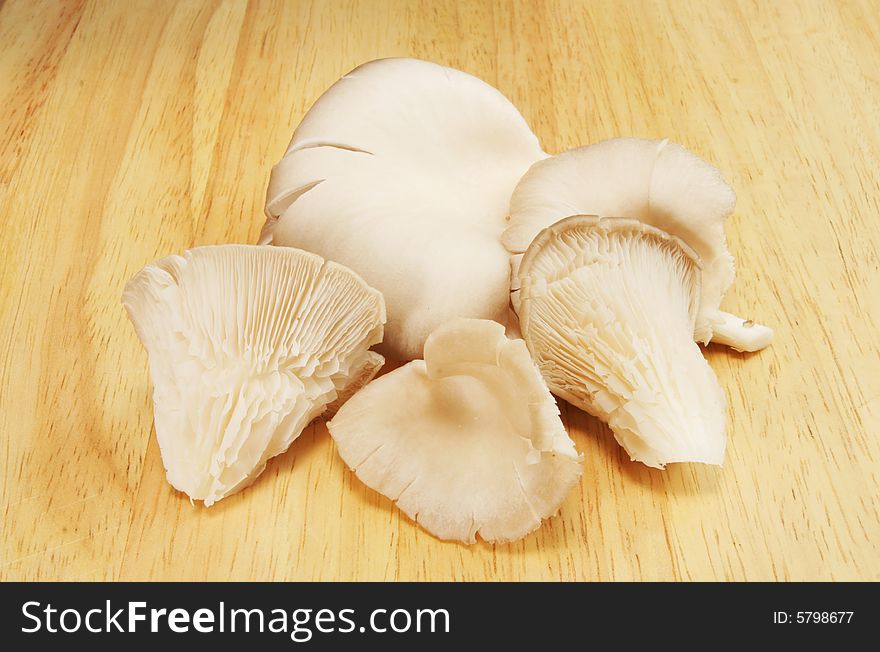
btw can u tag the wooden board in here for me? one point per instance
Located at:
(131, 130)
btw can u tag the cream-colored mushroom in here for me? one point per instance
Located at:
(656, 182)
(467, 441)
(246, 346)
(607, 308)
(403, 171)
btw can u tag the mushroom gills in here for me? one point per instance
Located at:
(607, 308)
(246, 346)
(467, 441)
(362, 374)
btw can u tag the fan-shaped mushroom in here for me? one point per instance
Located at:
(607, 308)
(466, 441)
(403, 171)
(246, 346)
(658, 183)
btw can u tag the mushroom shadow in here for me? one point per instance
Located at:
(680, 478)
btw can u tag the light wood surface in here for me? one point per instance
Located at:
(131, 130)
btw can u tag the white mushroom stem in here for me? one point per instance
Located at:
(740, 334)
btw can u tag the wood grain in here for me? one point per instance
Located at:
(130, 130)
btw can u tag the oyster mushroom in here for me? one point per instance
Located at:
(403, 171)
(246, 346)
(607, 308)
(656, 182)
(467, 441)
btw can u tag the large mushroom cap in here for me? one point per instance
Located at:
(607, 309)
(403, 171)
(246, 346)
(656, 182)
(466, 441)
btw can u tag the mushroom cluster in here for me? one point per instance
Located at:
(507, 274)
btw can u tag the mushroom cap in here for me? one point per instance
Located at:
(467, 441)
(403, 171)
(607, 309)
(654, 181)
(246, 346)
